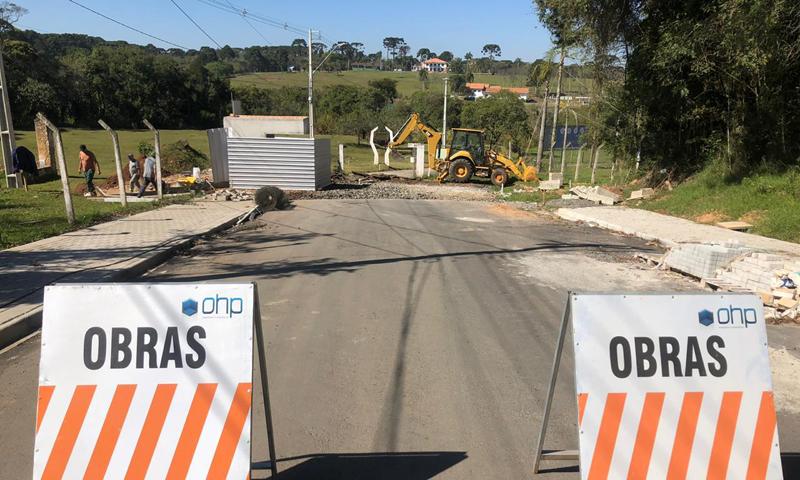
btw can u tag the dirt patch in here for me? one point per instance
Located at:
(752, 217)
(711, 218)
(509, 211)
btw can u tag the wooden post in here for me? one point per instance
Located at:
(157, 146)
(62, 167)
(118, 162)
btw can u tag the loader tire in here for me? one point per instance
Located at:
(461, 170)
(499, 177)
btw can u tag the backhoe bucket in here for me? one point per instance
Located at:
(529, 174)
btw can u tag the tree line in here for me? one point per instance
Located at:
(682, 85)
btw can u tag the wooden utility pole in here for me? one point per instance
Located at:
(118, 162)
(62, 167)
(7, 130)
(157, 146)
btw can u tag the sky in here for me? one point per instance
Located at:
(459, 26)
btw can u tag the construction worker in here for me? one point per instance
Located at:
(89, 166)
(149, 174)
(133, 168)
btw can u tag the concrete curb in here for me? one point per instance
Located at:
(573, 216)
(31, 321)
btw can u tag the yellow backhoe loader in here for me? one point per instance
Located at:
(466, 156)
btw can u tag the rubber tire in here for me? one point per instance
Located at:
(499, 177)
(463, 166)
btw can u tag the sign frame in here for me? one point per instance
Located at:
(259, 349)
(573, 454)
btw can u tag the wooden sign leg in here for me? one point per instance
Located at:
(551, 391)
(262, 364)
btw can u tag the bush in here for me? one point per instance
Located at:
(180, 157)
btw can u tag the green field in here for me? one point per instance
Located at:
(39, 213)
(407, 82)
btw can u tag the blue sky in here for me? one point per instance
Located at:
(462, 26)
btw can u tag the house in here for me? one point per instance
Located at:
(432, 65)
(484, 90)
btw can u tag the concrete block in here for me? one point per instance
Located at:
(557, 176)
(549, 184)
(597, 194)
(643, 193)
(787, 303)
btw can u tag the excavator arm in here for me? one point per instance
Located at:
(414, 123)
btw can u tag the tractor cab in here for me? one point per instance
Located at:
(469, 140)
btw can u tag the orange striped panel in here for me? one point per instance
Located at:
(723, 437)
(582, 397)
(192, 428)
(607, 436)
(231, 432)
(762, 438)
(109, 434)
(151, 430)
(646, 435)
(45, 394)
(684, 436)
(68, 433)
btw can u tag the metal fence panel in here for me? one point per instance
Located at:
(289, 163)
(218, 147)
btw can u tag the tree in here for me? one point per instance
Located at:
(423, 78)
(541, 71)
(299, 44)
(387, 88)
(10, 13)
(502, 116)
(468, 56)
(423, 54)
(447, 56)
(491, 50)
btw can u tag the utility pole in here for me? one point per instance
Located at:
(310, 87)
(7, 129)
(444, 117)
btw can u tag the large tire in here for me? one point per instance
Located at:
(499, 177)
(461, 170)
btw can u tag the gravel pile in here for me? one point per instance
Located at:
(398, 190)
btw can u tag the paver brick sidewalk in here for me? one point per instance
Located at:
(671, 231)
(102, 252)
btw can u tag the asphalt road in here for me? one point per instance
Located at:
(404, 339)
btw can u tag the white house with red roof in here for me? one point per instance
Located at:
(432, 65)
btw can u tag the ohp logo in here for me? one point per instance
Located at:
(729, 317)
(215, 306)
(189, 307)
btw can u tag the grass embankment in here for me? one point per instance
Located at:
(407, 82)
(39, 213)
(770, 202)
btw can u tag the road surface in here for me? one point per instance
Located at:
(405, 339)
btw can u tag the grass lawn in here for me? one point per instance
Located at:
(407, 82)
(771, 203)
(39, 213)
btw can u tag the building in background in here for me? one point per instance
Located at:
(436, 65)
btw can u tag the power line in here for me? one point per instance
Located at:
(127, 26)
(244, 17)
(230, 8)
(196, 24)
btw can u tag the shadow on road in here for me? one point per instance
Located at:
(354, 466)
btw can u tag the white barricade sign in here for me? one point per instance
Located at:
(672, 386)
(145, 381)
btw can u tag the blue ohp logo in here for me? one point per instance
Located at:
(729, 317)
(222, 306)
(189, 307)
(706, 317)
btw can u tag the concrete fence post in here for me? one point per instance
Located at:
(388, 150)
(341, 157)
(117, 162)
(419, 164)
(375, 156)
(62, 167)
(157, 146)
(594, 162)
(578, 162)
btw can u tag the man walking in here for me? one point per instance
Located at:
(89, 166)
(133, 168)
(149, 175)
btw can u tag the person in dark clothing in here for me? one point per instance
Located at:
(149, 175)
(23, 160)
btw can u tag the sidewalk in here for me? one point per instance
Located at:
(671, 231)
(102, 253)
